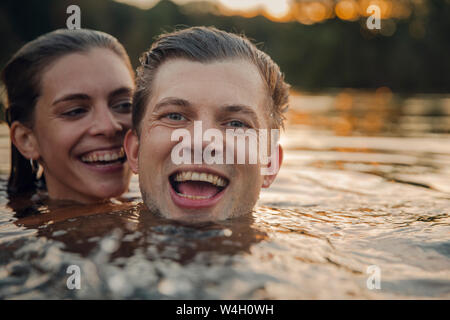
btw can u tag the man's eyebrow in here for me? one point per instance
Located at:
(72, 96)
(172, 101)
(241, 109)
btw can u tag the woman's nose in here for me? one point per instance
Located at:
(105, 123)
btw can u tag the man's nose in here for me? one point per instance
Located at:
(105, 123)
(203, 129)
(205, 134)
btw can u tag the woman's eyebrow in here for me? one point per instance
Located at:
(72, 96)
(83, 96)
(120, 92)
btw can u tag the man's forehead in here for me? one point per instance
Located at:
(184, 67)
(227, 82)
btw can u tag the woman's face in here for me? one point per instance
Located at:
(80, 121)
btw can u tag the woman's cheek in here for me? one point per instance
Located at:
(125, 120)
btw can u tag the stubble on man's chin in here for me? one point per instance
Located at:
(150, 204)
(245, 208)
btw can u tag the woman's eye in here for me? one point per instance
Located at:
(175, 117)
(124, 107)
(74, 112)
(237, 124)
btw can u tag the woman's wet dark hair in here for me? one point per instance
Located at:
(21, 77)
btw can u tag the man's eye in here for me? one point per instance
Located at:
(74, 112)
(124, 107)
(175, 117)
(237, 124)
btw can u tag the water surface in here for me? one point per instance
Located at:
(365, 182)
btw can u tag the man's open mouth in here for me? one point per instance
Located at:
(198, 186)
(105, 157)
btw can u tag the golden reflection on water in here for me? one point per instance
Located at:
(365, 181)
(377, 113)
(315, 11)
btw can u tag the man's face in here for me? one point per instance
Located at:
(220, 95)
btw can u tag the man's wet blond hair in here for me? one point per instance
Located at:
(205, 45)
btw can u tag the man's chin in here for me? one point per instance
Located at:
(194, 216)
(215, 213)
(179, 214)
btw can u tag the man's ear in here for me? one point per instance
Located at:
(268, 179)
(24, 140)
(131, 146)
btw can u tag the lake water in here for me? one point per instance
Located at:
(363, 195)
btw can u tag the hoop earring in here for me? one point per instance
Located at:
(34, 166)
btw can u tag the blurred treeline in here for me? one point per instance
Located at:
(331, 54)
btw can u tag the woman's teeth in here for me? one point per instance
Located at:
(103, 156)
(200, 176)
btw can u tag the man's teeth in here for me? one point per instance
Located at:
(192, 197)
(200, 176)
(102, 156)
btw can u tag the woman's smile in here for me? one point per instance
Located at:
(104, 160)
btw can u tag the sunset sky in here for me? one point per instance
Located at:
(308, 11)
(276, 8)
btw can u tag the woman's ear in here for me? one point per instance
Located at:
(268, 179)
(131, 146)
(24, 140)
